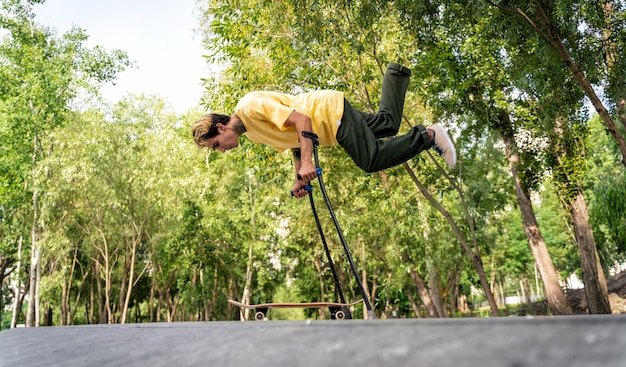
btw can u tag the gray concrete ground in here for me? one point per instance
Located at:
(587, 341)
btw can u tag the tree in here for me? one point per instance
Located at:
(465, 72)
(136, 225)
(556, 99)
(349, 53)
(604, 184)
(43, 74)
(567, 28)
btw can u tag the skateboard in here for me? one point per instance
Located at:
(260, 310)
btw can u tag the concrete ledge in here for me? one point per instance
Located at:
(584, 341)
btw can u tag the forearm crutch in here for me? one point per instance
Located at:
(327, 251)
(368, 305)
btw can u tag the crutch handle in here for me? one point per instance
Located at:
(307, 187)
(318, 171)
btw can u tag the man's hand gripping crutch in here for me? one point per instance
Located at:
(304, 174)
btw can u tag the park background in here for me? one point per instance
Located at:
(109, 214)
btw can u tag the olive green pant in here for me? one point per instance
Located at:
(361, 133)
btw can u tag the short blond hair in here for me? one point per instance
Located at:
(206, 128)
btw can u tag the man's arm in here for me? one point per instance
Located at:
(296, 159)
(303, 161)
(306, 167)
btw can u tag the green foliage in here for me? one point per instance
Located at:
(42, 75)
(611, 210)
(605, 183)
(126, 199)
(556, 228)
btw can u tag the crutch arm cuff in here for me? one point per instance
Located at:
(310, 135)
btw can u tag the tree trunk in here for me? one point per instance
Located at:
(17, 289)
(102, 307)
(413, 304)
(502, 296)
(552, 289)
(596, 289)
(454, 295)
(433, 288)
(211, 305)
(3, 274)
(66, 290)
(364, 279)
(422, 291)
(462, 305)
(104, 269)
(372, 294)
(89, 304)
(79, 291)
(492, 276)
(64, 302)
(474, 256)
(318, 266)
(151, 300)
(131, 278)
(231, 292)
(320, 277)
(366, 289)
(245, 297)
(32, 316)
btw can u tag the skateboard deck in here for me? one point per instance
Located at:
(335, 308)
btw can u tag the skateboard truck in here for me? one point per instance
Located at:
(309, 188)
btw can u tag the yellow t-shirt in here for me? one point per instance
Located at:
(264, 115)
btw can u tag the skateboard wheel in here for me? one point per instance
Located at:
(340, 315)
(259, 316)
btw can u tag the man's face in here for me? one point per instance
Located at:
(226, 139)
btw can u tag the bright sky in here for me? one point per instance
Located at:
(157, 35)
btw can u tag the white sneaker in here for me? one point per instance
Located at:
(443, 145)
